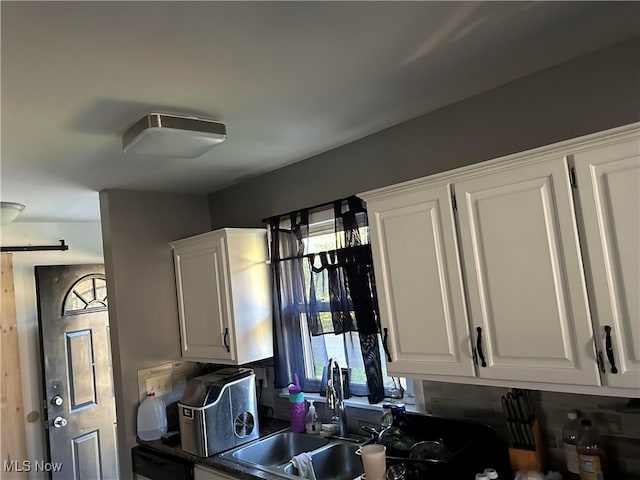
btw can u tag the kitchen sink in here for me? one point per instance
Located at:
(337, 462)
(278, 449)
(334, 459)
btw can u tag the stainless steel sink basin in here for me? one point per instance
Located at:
(337, 462)
(334, 459)
(278, 449)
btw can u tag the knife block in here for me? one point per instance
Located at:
(522, 459)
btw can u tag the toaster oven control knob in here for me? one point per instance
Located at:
(244, 424)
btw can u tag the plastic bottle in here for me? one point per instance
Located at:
(570, 432)
(311, 423)
(296, 406)
(152, 418)
(590, 453)
(398, 413)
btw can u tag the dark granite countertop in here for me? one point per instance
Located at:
(477, 444)
(267, 427)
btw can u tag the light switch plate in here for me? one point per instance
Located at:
(160, 384)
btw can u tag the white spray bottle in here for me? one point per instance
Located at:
(311, 423)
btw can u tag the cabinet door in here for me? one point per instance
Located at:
(418, 282)
(203, 305)
(202, 473)
(608, 180)
(524, 275)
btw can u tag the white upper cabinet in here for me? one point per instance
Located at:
(224, 296)
(608, 181)
(525, 287)
(528, 279)
(419, 283)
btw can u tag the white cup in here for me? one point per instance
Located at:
(374, 461)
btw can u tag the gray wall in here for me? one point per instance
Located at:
(586, 95)
(136, 230)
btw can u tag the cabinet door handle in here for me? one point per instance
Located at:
(609, 349)
(479, 346)
(385, 339)
(225, 339)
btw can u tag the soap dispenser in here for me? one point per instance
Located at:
(311, 423)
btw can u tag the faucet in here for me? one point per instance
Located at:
(335, 399)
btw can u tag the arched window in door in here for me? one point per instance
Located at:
(88, 294)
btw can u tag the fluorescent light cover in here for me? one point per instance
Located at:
(164, 135)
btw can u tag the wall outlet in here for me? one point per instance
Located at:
(261, 374)
(265, 394)
(160, 384)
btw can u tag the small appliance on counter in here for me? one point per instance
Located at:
(218, 411)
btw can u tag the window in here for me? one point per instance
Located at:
(325, 302)
(87, 294)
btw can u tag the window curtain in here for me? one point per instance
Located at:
(289, 295)
(346, 272)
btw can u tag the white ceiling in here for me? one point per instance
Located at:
(289, 79)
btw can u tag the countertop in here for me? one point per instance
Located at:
(267, 427)
(479, 447)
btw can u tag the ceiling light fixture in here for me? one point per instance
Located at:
(168, 135)
(9, 211)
